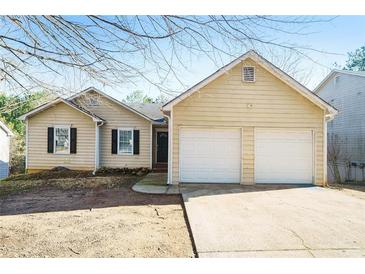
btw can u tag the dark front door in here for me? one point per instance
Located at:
(162, 146)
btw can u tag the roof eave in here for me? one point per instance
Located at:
(6, 129)
(112, 99)
(54, 102)
(267, 65)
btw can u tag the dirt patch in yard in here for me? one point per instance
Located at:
(92, 217)
(356, 190)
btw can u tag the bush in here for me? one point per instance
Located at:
(17, 155)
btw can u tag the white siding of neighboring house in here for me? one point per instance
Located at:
(4, 154)
(347, 94)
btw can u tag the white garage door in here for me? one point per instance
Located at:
(210, 155)
(283, 156)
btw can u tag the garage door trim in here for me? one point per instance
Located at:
(240, 129)
(256, 129)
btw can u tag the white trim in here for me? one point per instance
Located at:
(169, 156)
(26, 144)
(111, 99)
(286, 128)
(52, 103)
(151, 146)
(213, 127)
(324, 151)
(334, 72)
(6, 129)
(266, 65)
(160, 129)
(125, 129)
(97, 146)
(54, 139)
(172, 145)
(242, 163)
(313, 157)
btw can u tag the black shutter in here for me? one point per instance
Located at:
(135, 141)
(114, 141)
(50, 139)
(73, 140)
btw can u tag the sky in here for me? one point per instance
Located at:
(329, 43)
(341, 35)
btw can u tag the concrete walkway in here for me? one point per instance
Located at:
(155, 183)
(275, 221)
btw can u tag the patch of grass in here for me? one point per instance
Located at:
(45, 175)
(64, 180)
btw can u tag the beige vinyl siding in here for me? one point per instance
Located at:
(117, 116)
(61, 114)
(226, 101)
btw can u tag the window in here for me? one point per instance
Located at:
(248, 74)
(125, 141)
(62, 140)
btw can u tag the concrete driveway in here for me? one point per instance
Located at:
(275, 221)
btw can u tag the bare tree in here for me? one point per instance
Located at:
(336, 156)
(113, 50)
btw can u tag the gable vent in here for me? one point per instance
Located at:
(248, 74)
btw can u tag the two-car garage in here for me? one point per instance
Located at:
(214, 155)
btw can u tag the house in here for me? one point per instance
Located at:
(346, 91)
(247, 123)
(5, 135)
(91, 130)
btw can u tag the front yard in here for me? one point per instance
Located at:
(89, 217)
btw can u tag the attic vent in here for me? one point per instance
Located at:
(248, 74)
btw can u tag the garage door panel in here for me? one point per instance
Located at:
(210, 155)
(283, 156)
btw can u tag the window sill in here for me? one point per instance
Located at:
(125, 154)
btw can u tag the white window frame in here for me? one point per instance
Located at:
(54, 139)
(243, 74)
(126, 129)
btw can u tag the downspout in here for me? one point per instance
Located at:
(324, 151)
(326, 118)
(97, 145)
(26, 145)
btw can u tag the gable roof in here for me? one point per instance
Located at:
(151, 110)
(335, 72)
(6, 129)
(67, 102)
(268, 66)
(113, 100)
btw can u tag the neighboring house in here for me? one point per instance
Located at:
(346, 91)
(247, 123)
(5, 135)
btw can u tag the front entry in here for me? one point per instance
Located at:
(162, 146)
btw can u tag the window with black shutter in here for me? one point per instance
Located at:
(50, 140)
(73, 147)
(114, 141)
(135, 142)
